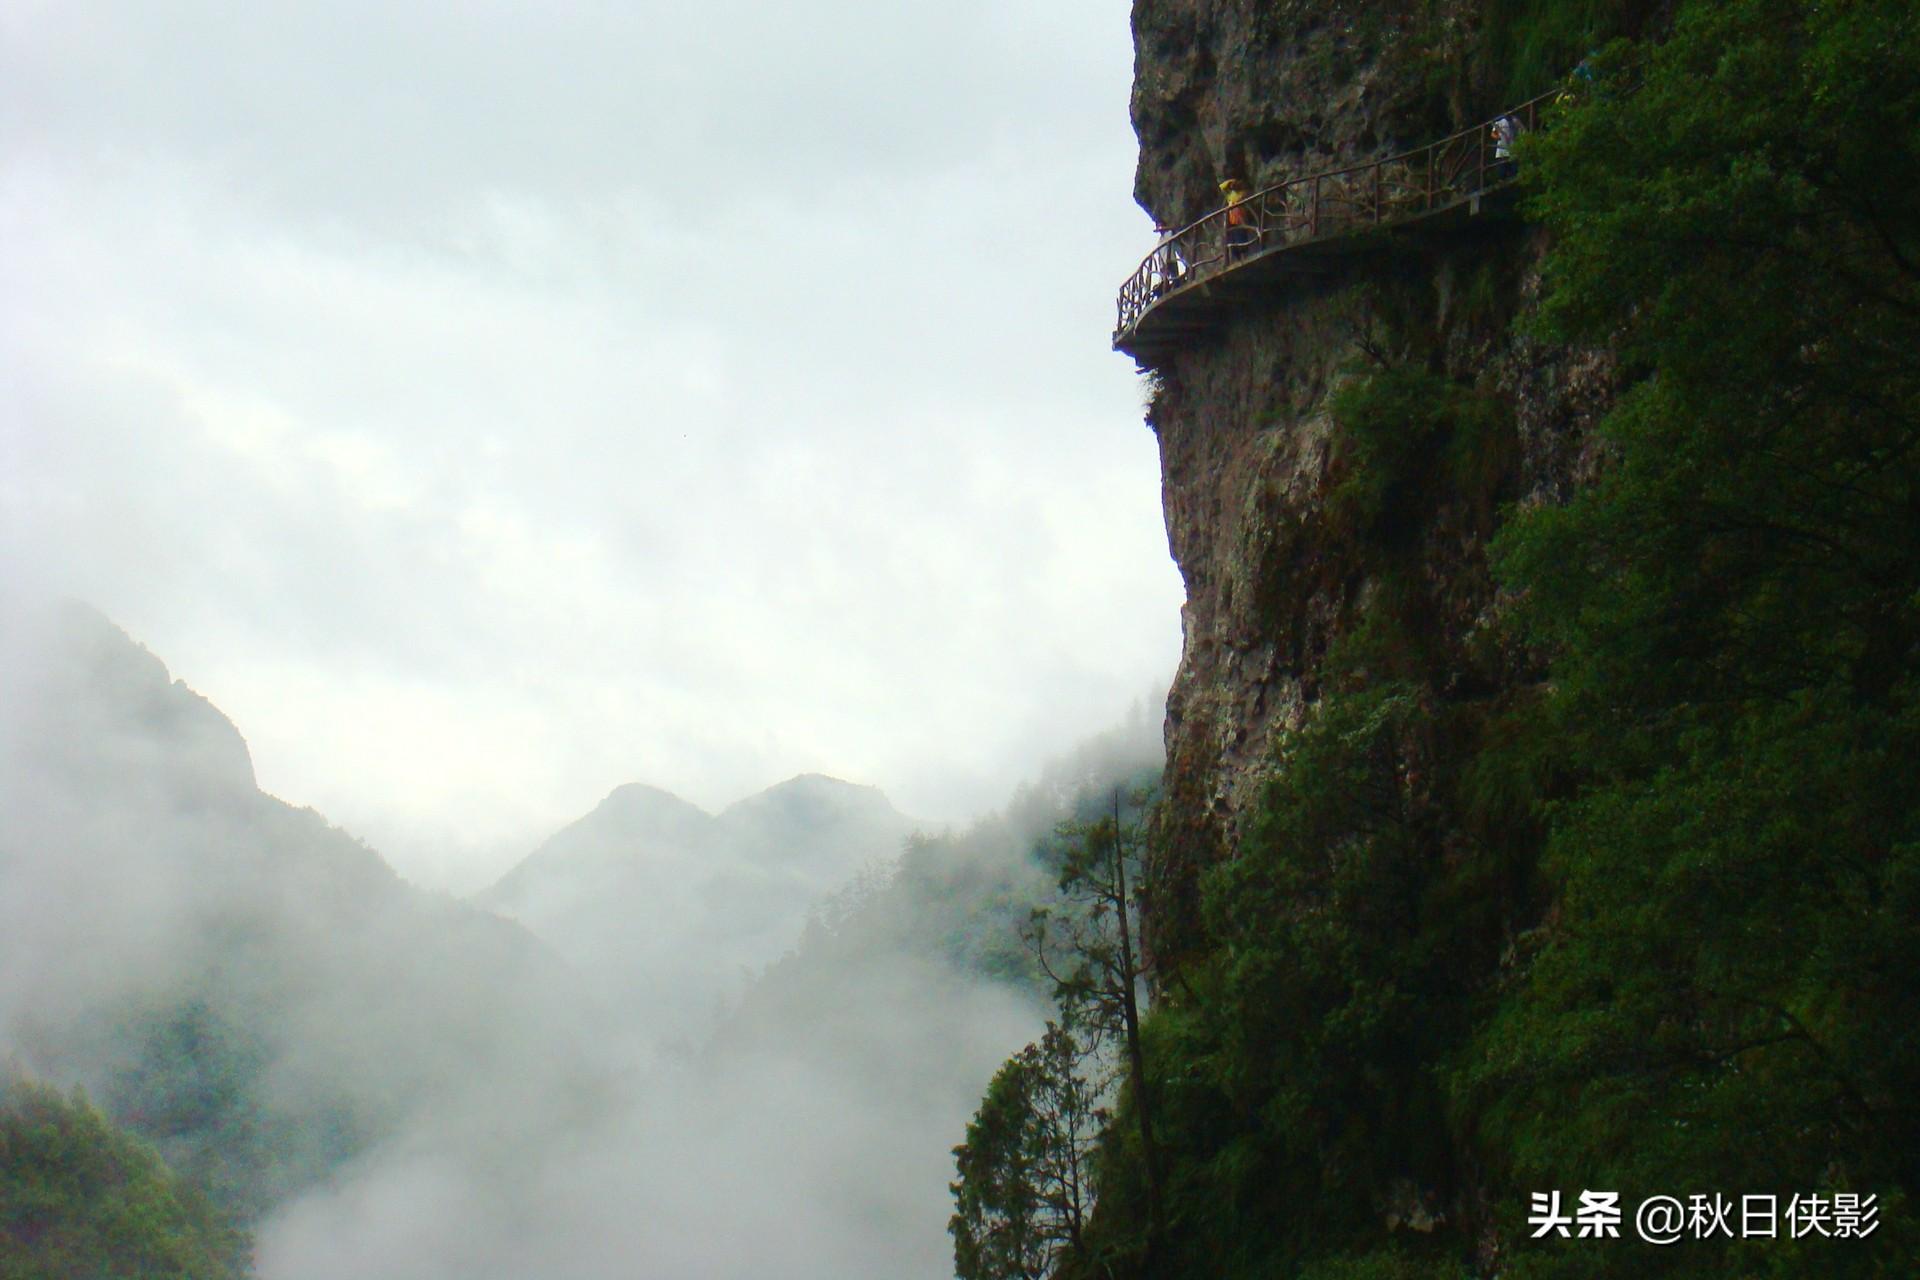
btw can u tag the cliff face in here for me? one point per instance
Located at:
(1263, 89)
(1250, 450)
(1531, 815)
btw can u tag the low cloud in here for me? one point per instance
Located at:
(490, 412)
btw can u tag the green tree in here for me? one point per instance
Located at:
(82, 1200)
(1090, 948)
(1302, 1105)
(1728, 993)
(1653, 925)
(1025, 1188)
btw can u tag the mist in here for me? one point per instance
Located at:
(614, 494)
(777, 1162)
(489, 408)
(391, 1082)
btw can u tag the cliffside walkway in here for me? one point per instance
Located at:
(1237, 251)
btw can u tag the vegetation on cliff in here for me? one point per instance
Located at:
(1621, 893)
(80, 1198)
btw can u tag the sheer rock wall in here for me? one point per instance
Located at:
(1261, 91)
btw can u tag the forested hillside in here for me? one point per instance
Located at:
(288, 1043)
(1541, 808)
(79, 1197)
(251, 990)
(957, 902)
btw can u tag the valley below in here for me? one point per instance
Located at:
(667, 1043)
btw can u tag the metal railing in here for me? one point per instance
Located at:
(1323, 205)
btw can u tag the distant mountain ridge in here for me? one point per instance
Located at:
(607, 834)
(108, 710)
(798, 824)
(624, 891)
(250, 988)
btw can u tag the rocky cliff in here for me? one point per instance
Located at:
(1537, 804)
(1249, 450)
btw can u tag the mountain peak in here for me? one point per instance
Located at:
(815, 796)
(639, 801)
(102, 704)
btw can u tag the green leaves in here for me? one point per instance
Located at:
(81, 1198)
(1025, 1187)
(1724, 993)
(1409, 440)
(1652, 924)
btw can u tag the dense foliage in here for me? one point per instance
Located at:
(955, 907)
(82, 1200)
(1025, 1187)
(965, 898)
(1651, 924)
(196, 1082)
(1025, 1170)
(1525, 45)
(1728, 996)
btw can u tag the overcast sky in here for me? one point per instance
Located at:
(487, 404)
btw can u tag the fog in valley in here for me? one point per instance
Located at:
(762, 1075)
(545, 551)
(491, 406)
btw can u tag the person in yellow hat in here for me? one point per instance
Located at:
(1239, 234)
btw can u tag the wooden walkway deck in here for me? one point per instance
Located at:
(1305, 225)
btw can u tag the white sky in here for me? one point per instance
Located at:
(487, 404)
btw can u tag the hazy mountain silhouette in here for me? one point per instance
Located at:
(252, 989)
(394, 1083)
(668, 909)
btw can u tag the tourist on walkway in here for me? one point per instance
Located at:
(1239, 234)
(1506, 132)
